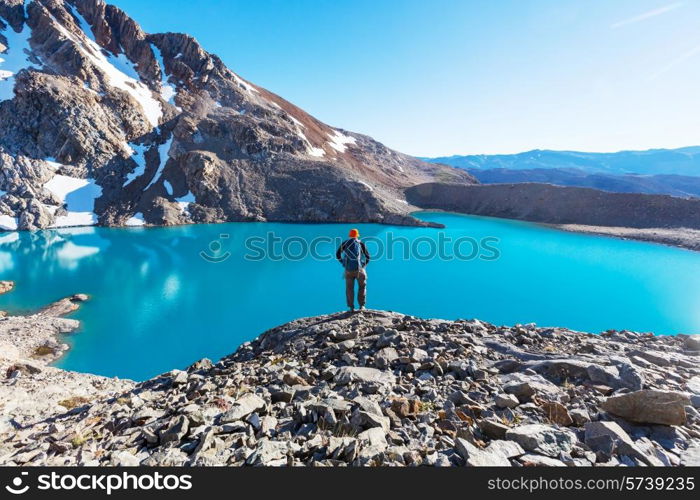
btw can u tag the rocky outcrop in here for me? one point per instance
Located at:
(6, 286)
(104, 123)
(381, 388)
(560, 205)
(32, 390)
(655, 218)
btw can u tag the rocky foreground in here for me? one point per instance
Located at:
(381, 388)
(30, 390)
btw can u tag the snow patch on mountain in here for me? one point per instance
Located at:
(136, 221)
(110, 67)
(167, 91)
(78, 196)
(185, 201)
(310, 148)
(163, 151)
(137, 153)
(245, 86)
(8, 223)
(340, 140)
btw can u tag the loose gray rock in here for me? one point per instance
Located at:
(175, 431)
(292, 397)
(650, 406)
(243, 407)
(476, 457)
(595, 435)
(506, 401)
(542, 439)
(348, 374)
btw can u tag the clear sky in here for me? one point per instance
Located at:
(442, 77)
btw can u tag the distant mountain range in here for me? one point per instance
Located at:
(657, 171)
(683, 161)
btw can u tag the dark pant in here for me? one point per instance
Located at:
(361, 277)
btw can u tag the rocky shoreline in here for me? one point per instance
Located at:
(373, 388)
(644, 217)
(688, 239)
(31, 390)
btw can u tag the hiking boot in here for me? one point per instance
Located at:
(362, 308)
(351, 309)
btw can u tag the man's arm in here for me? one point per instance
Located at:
(365, 253)
(339, 252)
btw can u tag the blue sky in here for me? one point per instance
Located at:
(457, 77)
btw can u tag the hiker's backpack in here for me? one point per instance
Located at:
(352, 258)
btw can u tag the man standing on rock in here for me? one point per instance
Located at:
(353, 255)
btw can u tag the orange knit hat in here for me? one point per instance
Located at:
(354, 233)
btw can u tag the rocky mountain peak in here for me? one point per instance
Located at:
(102, 123)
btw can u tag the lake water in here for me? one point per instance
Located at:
(158, 301)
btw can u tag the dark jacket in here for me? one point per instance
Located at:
(341, 249)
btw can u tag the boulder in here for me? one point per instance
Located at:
(693, 385)
(493, 429)
(508, 449)
(385, 357)
(599, 435)
(580, 416)
(695, 400)
(178, 377)
(557, 413)
(362, 374)
(364, 420)
(405, 408)
(125, 459)
(562, 368)
(506, 401)
(269, 453)
(23, 368)
(691, 456)
(373, 442)
(606, 375)
(375, 438)
(292, 379)
(533, 460)
(6, 286)
(542, 439)
(244, 406)
(649, 407)
(476, 457)
(176, 431)
(630, 376)
(692, 342)
(602, 445)
(655, 357)
(524, 386)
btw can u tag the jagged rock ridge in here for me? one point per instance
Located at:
(103, 123)
(377, 388)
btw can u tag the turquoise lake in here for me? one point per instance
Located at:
(158, 301)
